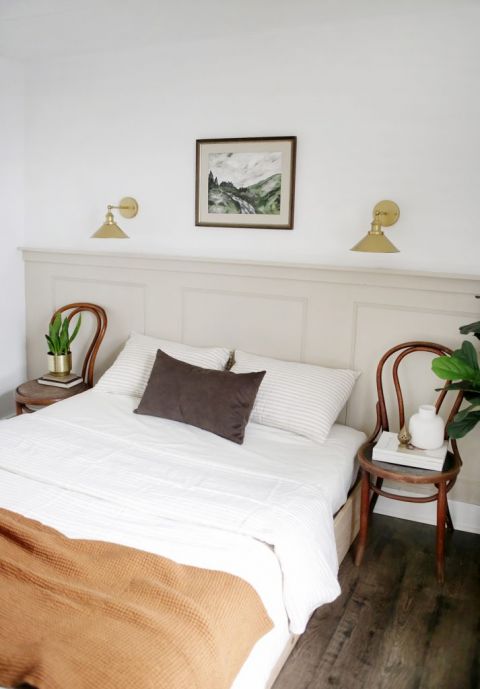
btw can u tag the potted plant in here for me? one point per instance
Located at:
(462, 368)
(59, 341)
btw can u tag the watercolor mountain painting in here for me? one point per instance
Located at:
(244, 183)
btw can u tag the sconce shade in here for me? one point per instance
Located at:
(375, 242)
(128, 208)
(110, 229)
(385, 214)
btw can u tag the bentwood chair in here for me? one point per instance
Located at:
(31, 393)
(374, 472)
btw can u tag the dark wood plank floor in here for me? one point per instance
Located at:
(394, 627)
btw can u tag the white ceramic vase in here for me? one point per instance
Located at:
(427, 428)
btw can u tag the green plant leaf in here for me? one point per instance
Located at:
(471, 328)
(75, 332)
(468, 354)
(63, 337)
(54, 338)
(461, 415)
(57, 324)
(465, 412)
(50, 345)
(459, 427)
(455, 368)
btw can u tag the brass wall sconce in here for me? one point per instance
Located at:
(128, 208)
(385, 214)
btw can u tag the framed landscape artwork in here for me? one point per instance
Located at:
(245, 182)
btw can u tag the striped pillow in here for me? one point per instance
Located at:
(131, 370)
(301, 398)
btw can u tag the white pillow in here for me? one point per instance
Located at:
(301, 398)
(131, 370)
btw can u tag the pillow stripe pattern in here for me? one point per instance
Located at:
(301, 398)
(131, 370)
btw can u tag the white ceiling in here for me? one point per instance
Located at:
(32, 29)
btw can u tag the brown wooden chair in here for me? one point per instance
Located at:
(443, 481)
(34, 394)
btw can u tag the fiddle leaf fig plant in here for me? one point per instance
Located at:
(59, 338)
(462, 368)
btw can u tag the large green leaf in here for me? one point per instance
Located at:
(459, 427)
(465, 412)
(455, 368)
(462, 414)
(468, 354)
(471, 328)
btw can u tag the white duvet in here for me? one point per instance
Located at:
(92, 469)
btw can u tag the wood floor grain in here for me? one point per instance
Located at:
(394, 626)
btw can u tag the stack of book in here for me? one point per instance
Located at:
(60, 381)
(388, 449)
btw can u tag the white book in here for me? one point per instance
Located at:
(388, 450)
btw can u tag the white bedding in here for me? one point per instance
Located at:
(92, 469)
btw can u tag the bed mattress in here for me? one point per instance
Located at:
(90, 468)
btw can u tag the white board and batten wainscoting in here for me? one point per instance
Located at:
(341, 317)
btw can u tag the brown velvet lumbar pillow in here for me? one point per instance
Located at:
(217, 401)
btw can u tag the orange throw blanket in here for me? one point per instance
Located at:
(78, 614)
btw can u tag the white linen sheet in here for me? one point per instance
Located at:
(92, 469)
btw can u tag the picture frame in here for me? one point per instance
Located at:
(246, 182)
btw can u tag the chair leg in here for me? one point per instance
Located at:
(441, 520)
(373, 501)
(18, 408)
(449, 521)
(364, 510)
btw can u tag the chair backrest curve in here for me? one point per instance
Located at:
(402, 351)
(101, 319)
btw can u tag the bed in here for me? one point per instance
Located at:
(92, 469)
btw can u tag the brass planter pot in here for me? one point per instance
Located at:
(60, 364)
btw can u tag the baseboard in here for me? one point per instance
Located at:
(466, 517)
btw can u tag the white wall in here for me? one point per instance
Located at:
(384, 106)
(12, 300)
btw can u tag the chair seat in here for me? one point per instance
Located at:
(32, 392)
(404, 474)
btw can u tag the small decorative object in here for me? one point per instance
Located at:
(385, 214)
(404, 437)
(245, 182)
(461, 367)
(427, 428)
(59, 341)
(128, 208)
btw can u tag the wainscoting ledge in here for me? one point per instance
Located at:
(353, 275)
